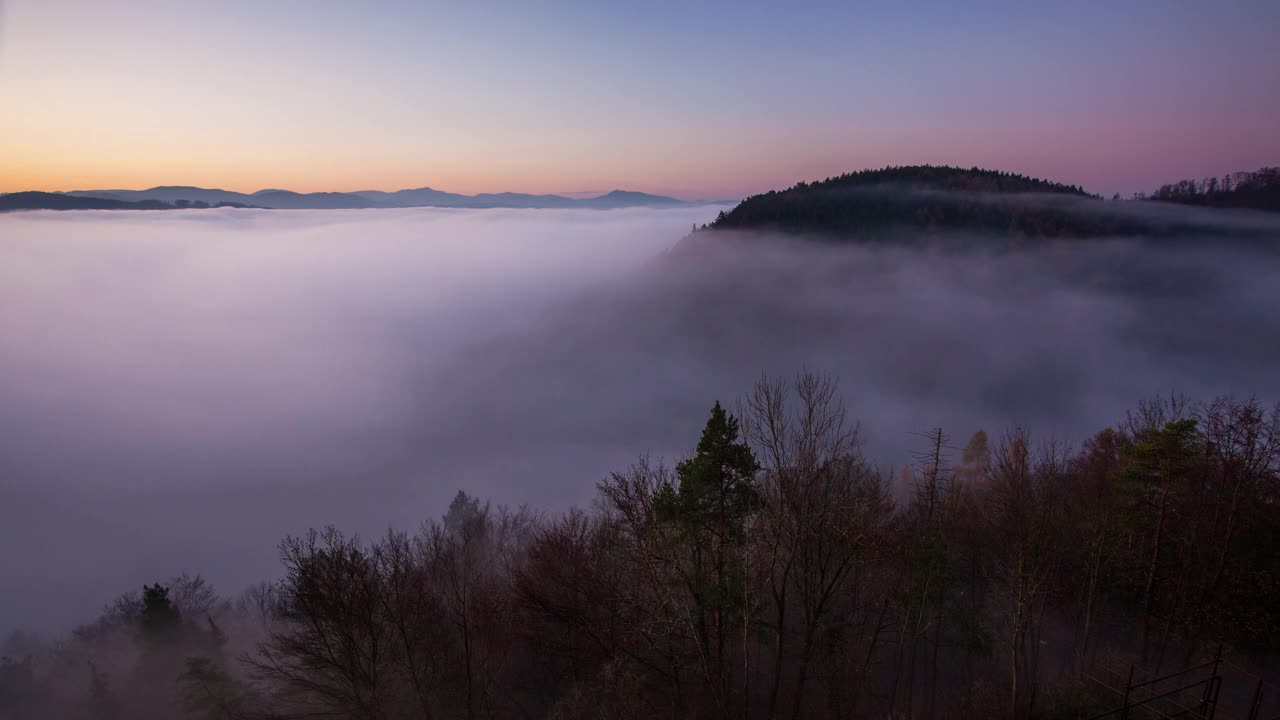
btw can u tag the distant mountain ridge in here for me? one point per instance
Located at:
(166, 197)
(33, 200)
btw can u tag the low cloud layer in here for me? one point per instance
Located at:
(182, 389)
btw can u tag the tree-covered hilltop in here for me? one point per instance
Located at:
(927, 197)
(941, 177)
(1257, 190)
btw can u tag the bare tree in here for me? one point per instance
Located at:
(662, 632)
(1021, 508)
(329, 654)
(820, 510)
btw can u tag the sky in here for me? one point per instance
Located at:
(696, 100)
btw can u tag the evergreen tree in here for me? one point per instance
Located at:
(160, 620)
(717, 485)
(709, 510)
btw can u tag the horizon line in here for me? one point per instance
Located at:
(570, 195)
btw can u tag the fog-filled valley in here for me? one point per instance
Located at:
(180, 391)
(176, 387)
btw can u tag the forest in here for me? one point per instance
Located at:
(1259, 190)
(773, 573)
(874, 204)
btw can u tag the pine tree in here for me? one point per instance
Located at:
(160, 620)
(716, 485)
(708, 510)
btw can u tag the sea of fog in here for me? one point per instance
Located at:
(179, 390)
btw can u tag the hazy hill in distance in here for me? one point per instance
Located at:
(170, 194)
(520, 200)
(175, 196)
(418, 197)
(32, 200)
(625, 198)
(288, 200)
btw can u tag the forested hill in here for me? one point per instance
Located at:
(928, 197)
(941, 177)
(1257, 190)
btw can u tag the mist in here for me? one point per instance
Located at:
(182, 389)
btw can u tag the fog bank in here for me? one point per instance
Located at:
(180, 390)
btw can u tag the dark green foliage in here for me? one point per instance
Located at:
(1164, 454)
(708, 510)
(717, 485)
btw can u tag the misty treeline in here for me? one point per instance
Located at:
(1259, 189)
(872, 204)
(928, 197)
(774, 573)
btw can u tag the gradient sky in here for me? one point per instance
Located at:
(712, 99)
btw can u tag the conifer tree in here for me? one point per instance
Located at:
(715, 495)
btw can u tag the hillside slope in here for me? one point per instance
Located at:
(924, 197)
(32, 200)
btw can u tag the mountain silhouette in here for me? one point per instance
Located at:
(288, 200)
(170, 194)
(626, 198)
(184, 196)
(418, 197)
(33, 200)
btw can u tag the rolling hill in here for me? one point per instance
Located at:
(32, 200)
(924, 199)
(180, 196)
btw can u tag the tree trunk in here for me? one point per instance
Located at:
(866, 660)
(779, 650)
(798, 702)
(1155, 554)
(1226, 541)
(1090, 591)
